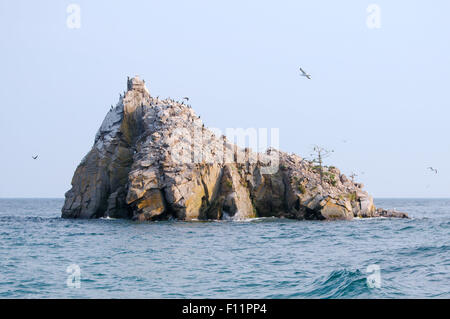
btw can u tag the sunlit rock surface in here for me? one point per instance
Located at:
(153, 159)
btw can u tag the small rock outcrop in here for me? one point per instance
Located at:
(154, 159)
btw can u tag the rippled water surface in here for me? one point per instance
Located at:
(261, 258)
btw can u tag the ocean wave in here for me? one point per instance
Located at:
(258, 220)
(108, 218)
(33, 219)
(424, 250)
(340, 284)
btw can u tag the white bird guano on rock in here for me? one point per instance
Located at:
(143, 166)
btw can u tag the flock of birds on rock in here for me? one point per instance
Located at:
(304, 74)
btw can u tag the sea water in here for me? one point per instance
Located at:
(45, 256)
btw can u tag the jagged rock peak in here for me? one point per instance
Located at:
(136, 84)
(154, 159)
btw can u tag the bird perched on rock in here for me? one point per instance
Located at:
(308, 76)
(433, 169)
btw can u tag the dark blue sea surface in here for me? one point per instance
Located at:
(259, 258)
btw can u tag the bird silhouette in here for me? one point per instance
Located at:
(308, 76)
(35, 157)
(433, 169)
(186, 98)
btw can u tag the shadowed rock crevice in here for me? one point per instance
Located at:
(154, 159)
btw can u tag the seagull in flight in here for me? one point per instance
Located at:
(186, 98)
(433, 170)
(35, 157)
(305, 74)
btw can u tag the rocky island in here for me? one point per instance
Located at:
(154, 159)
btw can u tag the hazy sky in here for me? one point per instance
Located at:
(384, 91)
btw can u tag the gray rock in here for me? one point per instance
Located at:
(154, 159)
(390, 213)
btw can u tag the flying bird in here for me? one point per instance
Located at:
(186, 98)
(35, 157)
(433, 169)
(308, 76)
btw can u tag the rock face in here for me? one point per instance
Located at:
(153, 159)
